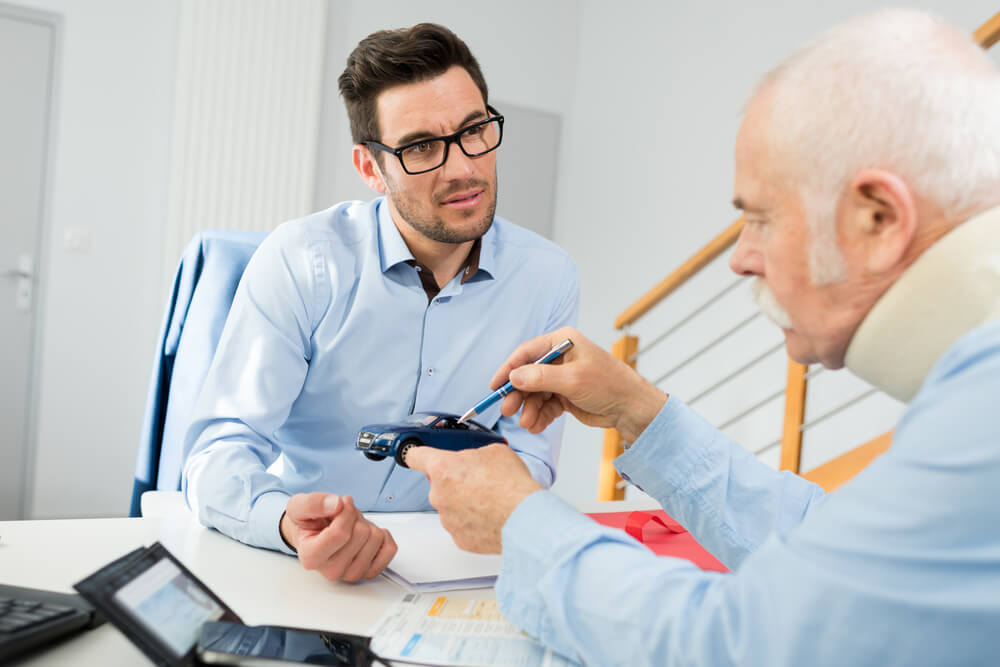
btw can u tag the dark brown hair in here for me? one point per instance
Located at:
(392, 57)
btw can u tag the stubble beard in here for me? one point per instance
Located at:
(434, 227)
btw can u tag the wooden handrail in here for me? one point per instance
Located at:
(713, 249)
(988, 33)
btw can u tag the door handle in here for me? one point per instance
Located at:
(24, 274)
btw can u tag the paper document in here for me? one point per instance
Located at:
(428, 559)
(430, 630)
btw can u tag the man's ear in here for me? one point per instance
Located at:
(881, 218)
(370, 173)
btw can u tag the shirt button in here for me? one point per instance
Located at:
(430, 371)
(437, 301)
(626, 477)
(389, 499)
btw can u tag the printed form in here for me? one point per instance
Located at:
(431, 630)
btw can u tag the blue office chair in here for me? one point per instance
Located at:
(204, 285)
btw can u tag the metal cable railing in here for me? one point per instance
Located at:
(694, 313)
(745, 367)
(837, 410)
(753, 408)
(823, 417)
(701, 351)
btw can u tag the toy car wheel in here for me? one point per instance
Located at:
(401, 452)
(375, 457)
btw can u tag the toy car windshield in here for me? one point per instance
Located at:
(444, 421)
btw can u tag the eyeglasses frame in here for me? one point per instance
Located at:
(448, 141)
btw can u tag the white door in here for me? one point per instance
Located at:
(26, 61)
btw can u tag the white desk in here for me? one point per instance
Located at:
(263, 587)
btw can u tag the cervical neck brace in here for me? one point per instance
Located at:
(949, 290)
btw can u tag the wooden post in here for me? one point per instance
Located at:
(607, 481)
(795, 411)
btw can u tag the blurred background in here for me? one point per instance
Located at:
(126, 126)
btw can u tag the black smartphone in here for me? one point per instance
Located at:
(156, 602)
(228, 643)
(177, 621)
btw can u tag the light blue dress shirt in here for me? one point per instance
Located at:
(901, 566)
(330, 330)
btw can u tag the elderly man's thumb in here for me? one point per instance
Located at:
(536, 377)
(416, 458)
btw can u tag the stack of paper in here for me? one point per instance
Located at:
(428, 559)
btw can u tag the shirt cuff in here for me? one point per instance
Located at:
(539, 469)
(662, 459)
(265, 519)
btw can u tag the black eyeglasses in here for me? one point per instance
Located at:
(425, 155)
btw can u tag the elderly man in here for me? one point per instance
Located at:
(868, 167)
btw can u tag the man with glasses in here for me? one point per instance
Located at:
(370, 311)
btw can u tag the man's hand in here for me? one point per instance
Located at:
(332, 536)
(474, 490)
(587, 382)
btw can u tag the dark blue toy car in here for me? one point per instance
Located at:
(440, 430)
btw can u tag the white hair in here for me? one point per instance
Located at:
(899, 90)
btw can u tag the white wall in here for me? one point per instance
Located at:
(647, 153)
(526, 49)
(101, 305)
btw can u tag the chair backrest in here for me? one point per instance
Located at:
(203, 290)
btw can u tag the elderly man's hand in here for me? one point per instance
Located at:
(587, 382)
(474, 490)
(332, 536)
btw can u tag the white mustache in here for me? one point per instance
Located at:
(764, 298)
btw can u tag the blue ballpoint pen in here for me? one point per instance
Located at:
(549, 357)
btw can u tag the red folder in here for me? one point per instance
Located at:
(662, 535)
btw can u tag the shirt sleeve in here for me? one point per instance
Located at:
(726, 498)
(540, 452)
(898, 567)
(255, 377)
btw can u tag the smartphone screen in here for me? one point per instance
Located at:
(232, 643)
(169, 604)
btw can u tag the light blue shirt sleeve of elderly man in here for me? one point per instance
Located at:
(901, 566)
(331, 330)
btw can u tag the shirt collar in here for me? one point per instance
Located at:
(393, 249)
(488, 251)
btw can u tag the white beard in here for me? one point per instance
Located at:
(768, 305)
